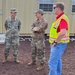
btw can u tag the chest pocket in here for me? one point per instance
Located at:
(15, 25)
(53, 31)
(12, 25)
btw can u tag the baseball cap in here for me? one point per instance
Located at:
(40, 11)
(13, 10)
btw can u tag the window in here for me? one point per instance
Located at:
(73, 6)
(46, 5)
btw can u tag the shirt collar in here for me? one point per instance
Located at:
(59, 15)
(40, 19)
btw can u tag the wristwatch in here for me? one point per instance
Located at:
(55, 42)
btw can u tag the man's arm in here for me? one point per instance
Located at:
(19, 25)
(63, 29)
(32, 26)
(61, 34)
(44, 26)
(6, 25)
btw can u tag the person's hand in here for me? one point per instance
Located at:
(53, 45)
(35, 29)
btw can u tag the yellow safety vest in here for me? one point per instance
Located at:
(53, 31)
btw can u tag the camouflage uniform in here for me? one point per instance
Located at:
(12, 27)
(38, 42)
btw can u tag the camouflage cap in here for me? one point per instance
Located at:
(13, 10)
(40, 11)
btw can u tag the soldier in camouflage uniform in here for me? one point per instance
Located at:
(12, 26)
(38, 42)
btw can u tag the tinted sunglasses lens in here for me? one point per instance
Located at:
(54, 7)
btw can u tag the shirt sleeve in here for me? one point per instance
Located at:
(63, 25)
(33, 25)
(44, 25)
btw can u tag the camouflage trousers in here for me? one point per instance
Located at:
(11, 42)
(38, 50)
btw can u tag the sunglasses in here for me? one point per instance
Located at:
(55, 7)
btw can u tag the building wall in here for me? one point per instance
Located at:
(26, 14)
(1, 16)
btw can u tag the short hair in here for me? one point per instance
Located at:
(60, 5)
